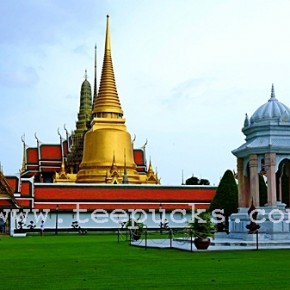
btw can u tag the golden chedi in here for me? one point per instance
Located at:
(108, 151)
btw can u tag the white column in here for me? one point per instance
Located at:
(271, 178)
(254, 179)
(243, 192)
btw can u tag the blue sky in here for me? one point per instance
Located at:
(186, 73)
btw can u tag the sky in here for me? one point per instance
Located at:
(186, 74)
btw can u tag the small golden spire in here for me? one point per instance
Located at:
(62, 168)
(150, 169)
(114, 166)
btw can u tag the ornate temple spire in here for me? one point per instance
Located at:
(108, 135)
(107, 103)
(74, 158)
(84, 115)
(273, 97)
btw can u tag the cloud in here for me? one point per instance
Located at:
(190, 90)
(83, 50)
(30, 22)
(19, 77)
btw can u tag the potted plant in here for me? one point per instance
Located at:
(136, 229)
(202, 229)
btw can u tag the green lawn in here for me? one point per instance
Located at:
(99, 262)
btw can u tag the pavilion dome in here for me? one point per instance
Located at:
(268, 130)
(272, 110)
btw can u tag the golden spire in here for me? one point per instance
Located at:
(95, 76)
(114, 166)
(108, 135)
(107, 103)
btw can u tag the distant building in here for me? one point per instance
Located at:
(266, 152)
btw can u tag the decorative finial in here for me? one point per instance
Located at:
(64, 127)
(134, 139)
(23, 138)
(246, 122)
(58, 132)
(86, 74)
(273, 92)
(36, 138)
(144, 146)
(24, 155)
(95, 76)
(108, 41)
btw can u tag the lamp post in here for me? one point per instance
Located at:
(56, 220)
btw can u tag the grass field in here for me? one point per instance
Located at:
(99, 262)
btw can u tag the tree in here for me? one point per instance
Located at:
(226, 197)
(196, 181)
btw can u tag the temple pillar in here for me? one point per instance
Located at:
(242, 188)
(271, 178)
(254, 179)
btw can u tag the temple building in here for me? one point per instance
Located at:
(96, 167)
(100, 150)
(266, 153)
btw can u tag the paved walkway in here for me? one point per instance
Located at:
(216, 244)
